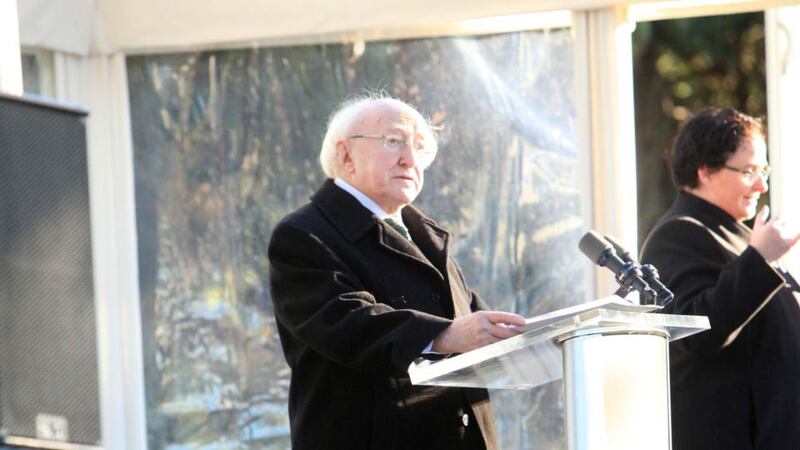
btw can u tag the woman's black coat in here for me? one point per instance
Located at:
(736, 386)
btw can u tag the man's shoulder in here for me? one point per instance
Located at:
(307, 217)
(302, 231)
(332, 214)
(312, 212)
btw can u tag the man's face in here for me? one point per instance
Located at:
(392, 180)
(730, 189)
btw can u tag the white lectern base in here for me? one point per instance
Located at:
(616, 384)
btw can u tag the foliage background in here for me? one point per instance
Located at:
(682, 66)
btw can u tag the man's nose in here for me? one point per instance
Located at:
(408, 157)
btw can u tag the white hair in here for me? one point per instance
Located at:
(343, 119)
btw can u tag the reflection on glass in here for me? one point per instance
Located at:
(38, 72)
(30, 74)
(226, 143)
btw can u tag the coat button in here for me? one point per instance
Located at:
(435, 297)
(465, 420)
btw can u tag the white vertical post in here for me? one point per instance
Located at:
(10, 59)
(783, 103)
(100, 82)
(604, 96)
(116, 271)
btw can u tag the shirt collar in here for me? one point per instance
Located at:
(366, 201)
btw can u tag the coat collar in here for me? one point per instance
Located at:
(727, 230)
(344, 211)
(706, 211)
(433, 241)
(355, 221)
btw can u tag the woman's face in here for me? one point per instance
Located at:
(729, 187)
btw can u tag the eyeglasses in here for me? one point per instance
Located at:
(751, 173)
(396, 143)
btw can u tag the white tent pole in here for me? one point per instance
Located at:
(604, 74)
(116, 269)
(783, 103)
(10, 60)
(100, 83)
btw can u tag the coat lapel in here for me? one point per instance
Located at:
(431, 240)
(430, 248)
(354, 221)
(434, 242)
(394, 242)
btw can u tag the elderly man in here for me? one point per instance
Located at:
(363, 283)
(736, 386)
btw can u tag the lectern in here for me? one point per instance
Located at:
(613, 356)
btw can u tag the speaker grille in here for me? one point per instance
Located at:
(48, 355)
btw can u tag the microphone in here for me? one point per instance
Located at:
(621, 252)
(649, 274)
(628, 274)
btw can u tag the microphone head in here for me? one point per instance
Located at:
(621, 252)
(595, 247)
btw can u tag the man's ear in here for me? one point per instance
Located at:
(344, 159)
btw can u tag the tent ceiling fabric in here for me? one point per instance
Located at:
(107, 26)
(57, 25)
(86, 27)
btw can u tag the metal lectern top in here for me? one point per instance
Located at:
(533, 358)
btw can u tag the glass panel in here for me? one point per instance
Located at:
(37, 72)
(226, 144)
(30, 74)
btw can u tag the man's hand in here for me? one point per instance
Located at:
(476, 330)
(772, 238)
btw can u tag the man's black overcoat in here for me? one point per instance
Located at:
(355, 304)
(736, 386)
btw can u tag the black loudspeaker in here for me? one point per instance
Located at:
(49, 389)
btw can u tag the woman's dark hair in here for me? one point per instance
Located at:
(708, 139)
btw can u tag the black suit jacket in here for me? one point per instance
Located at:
(355, 304)
(736, 386)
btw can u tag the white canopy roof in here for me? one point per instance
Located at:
(84, 27)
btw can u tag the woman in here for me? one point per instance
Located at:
(736, 386)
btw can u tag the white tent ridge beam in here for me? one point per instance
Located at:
(471, 27)
(680, 9)
(86, 27)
